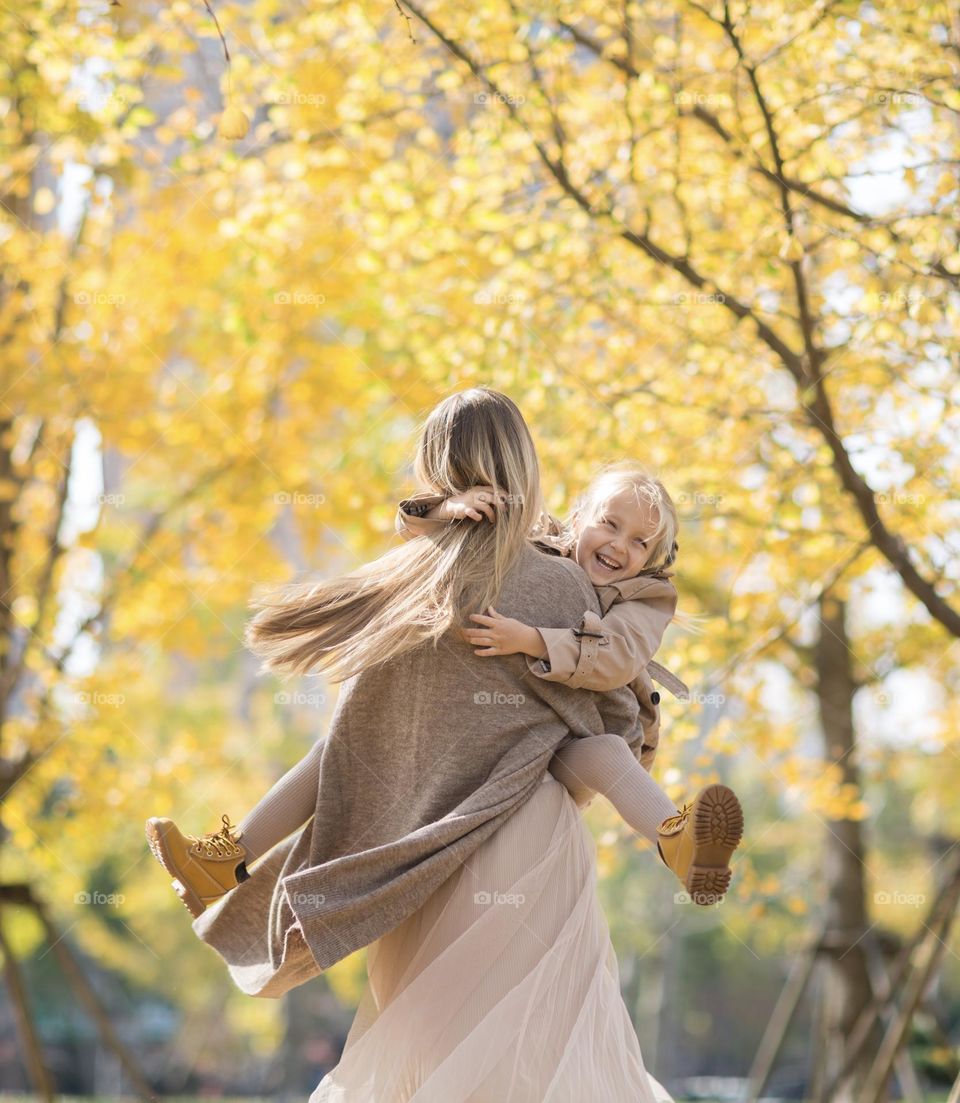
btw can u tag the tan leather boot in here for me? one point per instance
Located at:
(204, 867)
(698, 842)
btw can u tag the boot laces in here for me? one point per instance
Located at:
(218, 844)
(680, 817)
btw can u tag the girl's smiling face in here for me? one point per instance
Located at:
(618, 543)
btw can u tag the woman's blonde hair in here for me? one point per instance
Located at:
(416, 592)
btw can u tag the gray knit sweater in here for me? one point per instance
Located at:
(425, 757)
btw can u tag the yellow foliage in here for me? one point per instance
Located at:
(249, 336)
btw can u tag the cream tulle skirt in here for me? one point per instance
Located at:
(503, 987)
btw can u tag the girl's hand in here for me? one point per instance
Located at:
(473, 504)
(501, 635)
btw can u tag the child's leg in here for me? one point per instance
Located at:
(606, 764)
(287, 806)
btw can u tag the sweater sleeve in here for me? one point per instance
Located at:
(605, 652)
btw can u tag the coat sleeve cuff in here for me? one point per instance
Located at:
(410, 520)
(421, 504)
(590, 634)
(562, 654)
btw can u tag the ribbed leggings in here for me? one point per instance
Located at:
(598, 763)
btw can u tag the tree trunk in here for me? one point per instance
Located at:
(846, 982)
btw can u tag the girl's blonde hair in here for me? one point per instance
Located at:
(416, 592)
(612, 479)
(632, 476)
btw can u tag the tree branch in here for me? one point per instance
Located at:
(818, 408)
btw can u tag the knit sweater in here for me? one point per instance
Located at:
(426, 756)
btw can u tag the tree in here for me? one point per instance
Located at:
(677, 231)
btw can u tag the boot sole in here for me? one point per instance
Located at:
(154, 831)
(717, 831)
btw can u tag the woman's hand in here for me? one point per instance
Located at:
(503, 635)
(473, 504)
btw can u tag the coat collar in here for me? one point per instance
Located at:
(644, 586)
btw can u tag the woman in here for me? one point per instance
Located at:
(439, 839)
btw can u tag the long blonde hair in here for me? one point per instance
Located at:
(416, 592)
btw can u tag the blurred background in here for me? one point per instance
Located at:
(718, 237)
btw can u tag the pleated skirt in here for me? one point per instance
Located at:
(503, 987)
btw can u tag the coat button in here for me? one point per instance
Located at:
(655, 697)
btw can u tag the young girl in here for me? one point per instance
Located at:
(622, 532)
